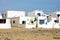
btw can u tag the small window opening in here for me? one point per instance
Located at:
(31, 21)
(56, 21)
(58, 15)
(13, 21)
(23, 22)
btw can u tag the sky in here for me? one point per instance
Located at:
(30, 5)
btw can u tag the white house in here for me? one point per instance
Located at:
(55, 17)
(14, 16)
(12, 13)
(41, 18)
(28, 22)
(5, 23)
(35, 19)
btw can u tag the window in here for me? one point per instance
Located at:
(41, 21)
(31, 21)
(38, 14)
(23, 22)
(2, 20)
(56, 21)
(58, 15)
(13, 21)
(2, 14)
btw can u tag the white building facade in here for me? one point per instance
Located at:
(5, 23)
(35, 19)
(41, 18)
(56, 19)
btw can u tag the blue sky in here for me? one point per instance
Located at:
(29, 5)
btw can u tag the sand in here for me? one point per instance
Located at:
(29, 34)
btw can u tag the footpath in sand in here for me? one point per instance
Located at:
(29, 34)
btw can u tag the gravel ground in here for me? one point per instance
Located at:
(29, 34)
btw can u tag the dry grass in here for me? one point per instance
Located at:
(29, 34)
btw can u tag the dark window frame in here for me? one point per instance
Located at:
(41, 21)
(2, 20)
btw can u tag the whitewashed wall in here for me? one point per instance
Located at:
(56, 25)
(42, 25)
(41, 12)
(51, 24)
(58, 12)
(28, 24)
(59, 19)
(34, 13)
(23, 19)
(11, 14)
(0, 17)
(6, 25)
